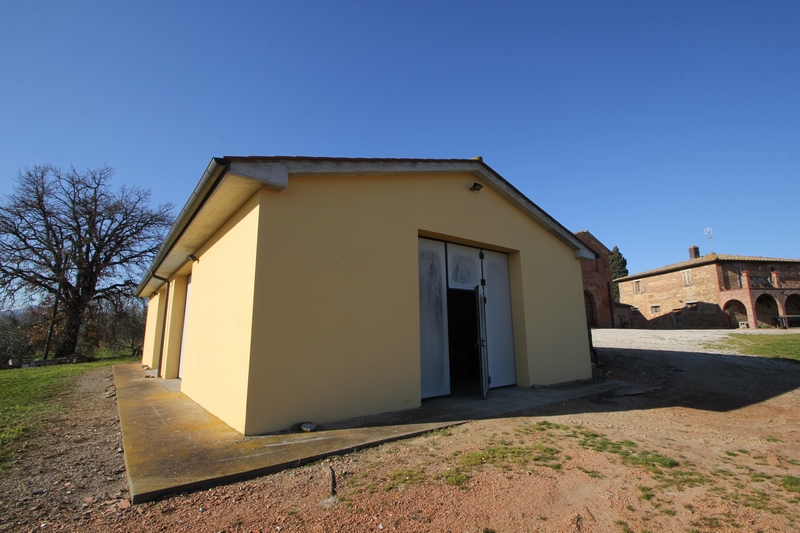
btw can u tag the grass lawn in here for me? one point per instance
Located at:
(30, 396)
(775, 346)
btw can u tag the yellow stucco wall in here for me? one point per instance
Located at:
(218, 337)
(152, 330)
(336, 311)
(305, 304)
(558, 341)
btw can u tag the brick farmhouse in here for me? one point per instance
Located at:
(596, 274)
(717, 291)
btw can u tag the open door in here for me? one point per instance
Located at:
(466, 334)
(480, 305)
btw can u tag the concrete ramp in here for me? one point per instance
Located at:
(173, 445)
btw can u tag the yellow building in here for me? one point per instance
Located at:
(295, 289)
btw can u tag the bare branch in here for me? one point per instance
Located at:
(67, 234)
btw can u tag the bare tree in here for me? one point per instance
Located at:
(121, 324)
(67, 235)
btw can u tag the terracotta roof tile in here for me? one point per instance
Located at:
(704, 260)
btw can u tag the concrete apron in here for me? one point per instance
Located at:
(173, 445)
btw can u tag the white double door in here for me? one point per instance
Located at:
(446, 267)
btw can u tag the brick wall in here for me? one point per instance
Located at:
(788, 273)
(666, 301)
(681, 299)
(731, 278)
(596, 274)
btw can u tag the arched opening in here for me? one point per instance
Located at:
(737, 313)
(793, 311)
(591, 309)
(766, 312)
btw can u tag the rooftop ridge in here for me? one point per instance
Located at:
(706, 259)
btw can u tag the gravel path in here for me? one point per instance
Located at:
(690, 340)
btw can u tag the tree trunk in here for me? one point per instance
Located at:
(72, 329)
(50, 330)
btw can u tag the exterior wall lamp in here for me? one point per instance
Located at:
(192, 258)
(476, 187)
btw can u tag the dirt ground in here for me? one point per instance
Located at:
(707, 442)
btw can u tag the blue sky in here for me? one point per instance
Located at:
(643, 122)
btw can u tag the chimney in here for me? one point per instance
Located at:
(694, 252)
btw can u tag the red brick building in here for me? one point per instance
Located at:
(717, 291)
(596, 272)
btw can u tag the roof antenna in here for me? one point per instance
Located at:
(710, 235)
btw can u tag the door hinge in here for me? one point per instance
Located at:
(483, 282)
(481, 254)
(490, 380)
(484, 300)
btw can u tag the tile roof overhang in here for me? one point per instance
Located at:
(228, 182)
(706, 260)
(589, 235)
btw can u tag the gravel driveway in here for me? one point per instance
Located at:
(688, 340)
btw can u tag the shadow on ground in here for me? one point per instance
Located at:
(701, 381)
(633, 380)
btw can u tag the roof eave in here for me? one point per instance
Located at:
(244, 175)
(208, 182)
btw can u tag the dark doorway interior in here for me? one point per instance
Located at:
(463, 333)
